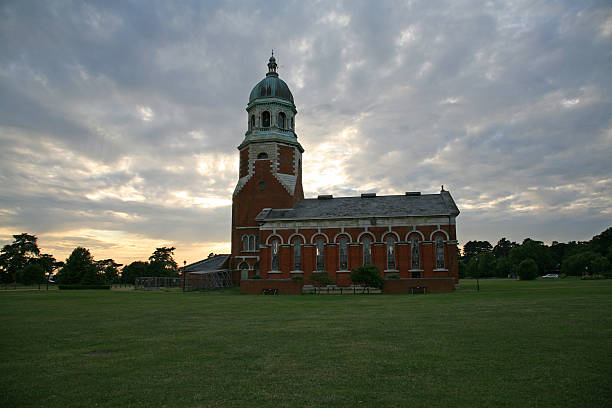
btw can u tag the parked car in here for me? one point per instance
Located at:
(550, 276)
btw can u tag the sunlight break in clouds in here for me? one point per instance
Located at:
(326, 162)
(204, 202)
(146, 113)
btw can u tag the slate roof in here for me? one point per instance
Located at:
(360, 207)
(214, 263)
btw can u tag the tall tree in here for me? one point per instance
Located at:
(162, 262)
(49, 263)
(473, 248)
(602, 243)
(17, 255)
(536, 250)
(503, 247)
(486, 265)
(80, 268)
(134, 270)
(109, 269)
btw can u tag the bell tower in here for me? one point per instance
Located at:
(270, 171)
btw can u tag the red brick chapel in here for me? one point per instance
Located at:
(278, 234)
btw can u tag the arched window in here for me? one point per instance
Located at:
(265, 119)
(391, 253)
(281, 120)
(252, 121)
(292, 123)
(262, 155)
(343, 253)
(251, 242)
(439, 252)
(367, 250)
(245, 242)
(297, 254)
(275, 249)
(320, 248)
(414, 249)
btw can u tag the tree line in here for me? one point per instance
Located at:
(22, 262)
(589, 259)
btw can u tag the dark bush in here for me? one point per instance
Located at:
(321, 279)
(256, 276)
(297, 278)
(31, 274)
(368, 275)
(392, 276)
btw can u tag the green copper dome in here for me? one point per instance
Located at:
(271, 86)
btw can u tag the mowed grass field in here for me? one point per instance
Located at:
(513, 344)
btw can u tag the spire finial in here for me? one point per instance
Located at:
(272, 66)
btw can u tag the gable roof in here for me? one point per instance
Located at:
(365, 206)
(214, 263)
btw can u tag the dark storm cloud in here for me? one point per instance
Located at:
(126, 116)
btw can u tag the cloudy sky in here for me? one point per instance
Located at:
(119, 121)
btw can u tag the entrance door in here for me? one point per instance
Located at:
(244, 271)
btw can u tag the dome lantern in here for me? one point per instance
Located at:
(272, 66)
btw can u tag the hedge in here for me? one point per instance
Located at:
(82, 287)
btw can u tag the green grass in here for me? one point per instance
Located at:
(513, 344)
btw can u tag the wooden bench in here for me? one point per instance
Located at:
(418, 289)
(270, 291)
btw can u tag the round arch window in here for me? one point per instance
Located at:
(265, 119)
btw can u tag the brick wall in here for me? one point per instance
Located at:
(286, 159)
(244, 162)
(403, 258)
(284, 286)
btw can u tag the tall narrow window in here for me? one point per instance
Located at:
(275, 248)
(245, 242)
(252, 121)
(391, 253)
(281, 120)
(292, 123)
(297, 254)
(320, 247)
(265, 119)
(367, 253)
(256, 248)
(414, 248)
(343, 254)
(439, 253)
(251, 242)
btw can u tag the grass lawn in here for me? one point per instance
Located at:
(514, 344)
